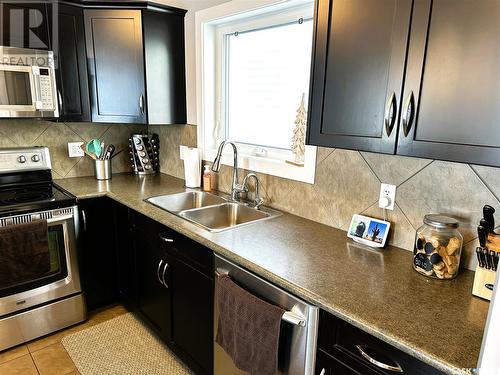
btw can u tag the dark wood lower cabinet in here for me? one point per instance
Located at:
(154, 298)
(345, 349)
(192, 311)
(166, 278)
(328, 365)
(97, 252)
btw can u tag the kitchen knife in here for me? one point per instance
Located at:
(488, 212)
(493, 260)
(482, 233)
(487, 259)
(479, 253)
(496, 256)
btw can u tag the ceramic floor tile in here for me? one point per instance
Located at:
(13, 353)
(45, 341)
(53, 360)
(20, 366)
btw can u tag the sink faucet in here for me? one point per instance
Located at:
(236, 189)
(258, 201)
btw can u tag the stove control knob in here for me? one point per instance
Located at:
(21, 159)
(35, 158)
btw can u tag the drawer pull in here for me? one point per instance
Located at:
(167, 240)
(395, 368)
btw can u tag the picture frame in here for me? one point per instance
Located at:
(368, 230)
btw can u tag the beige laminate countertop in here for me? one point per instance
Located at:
(438, 322)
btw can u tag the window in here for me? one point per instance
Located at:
(266, 76)
(255, 71)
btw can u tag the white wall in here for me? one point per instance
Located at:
(191, 6)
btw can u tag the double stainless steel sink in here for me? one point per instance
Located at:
(213, 212)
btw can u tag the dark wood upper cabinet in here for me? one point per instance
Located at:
(444, 52)
(115, 65)
(452, 91)
(357, 75)
(136, 65)
(72, 79)
(165, 67)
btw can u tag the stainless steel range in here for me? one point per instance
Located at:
(35, 304)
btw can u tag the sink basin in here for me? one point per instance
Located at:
(226, 216)
(185, 201)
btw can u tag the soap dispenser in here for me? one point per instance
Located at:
(207, 178)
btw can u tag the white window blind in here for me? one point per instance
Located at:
(266, 73)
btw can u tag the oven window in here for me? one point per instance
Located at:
(15, 88)
(56, 271)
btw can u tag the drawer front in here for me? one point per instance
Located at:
(193, 254)
(328, 365)
(339, 338)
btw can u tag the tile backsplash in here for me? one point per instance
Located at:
(348, 182)
(56, 135)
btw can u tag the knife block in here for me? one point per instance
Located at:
(483, 283)
(484, 279)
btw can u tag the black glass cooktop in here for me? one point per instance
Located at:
(27, 198)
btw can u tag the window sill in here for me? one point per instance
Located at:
(273, 167)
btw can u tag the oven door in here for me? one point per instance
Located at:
(62, 279)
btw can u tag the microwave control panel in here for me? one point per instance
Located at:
(46, 96)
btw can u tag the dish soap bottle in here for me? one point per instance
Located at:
(207, 178)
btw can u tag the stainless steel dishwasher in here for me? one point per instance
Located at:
(299, 327)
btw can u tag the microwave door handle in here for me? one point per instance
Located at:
(38, 89)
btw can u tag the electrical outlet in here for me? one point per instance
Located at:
(74, 149)
(387, 196)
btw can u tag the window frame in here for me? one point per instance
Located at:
(211, 27)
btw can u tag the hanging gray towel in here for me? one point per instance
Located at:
(248, 328)
(24, 253)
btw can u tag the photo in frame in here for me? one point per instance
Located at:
(368, 230)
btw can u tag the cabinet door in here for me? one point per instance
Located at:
(116, 65)
(97, 255)
(153, 267)
(452, 90)
(72, 65)
(25, 24)
(192, 312)
(127, 273)
(357, 74)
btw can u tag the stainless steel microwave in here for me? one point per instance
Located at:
(27, 83)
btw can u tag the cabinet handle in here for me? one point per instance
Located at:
(408, 114)
(59, 97)
(158, 271)
(163, 275)
(164, 239)
(396, 368)
(323, 372)
(141, 104)
(390, 114)
(84, 219)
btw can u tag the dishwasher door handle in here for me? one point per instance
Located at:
(288, 316)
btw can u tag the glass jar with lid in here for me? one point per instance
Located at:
(438, 246)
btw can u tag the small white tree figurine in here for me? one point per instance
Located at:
(299, 134)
